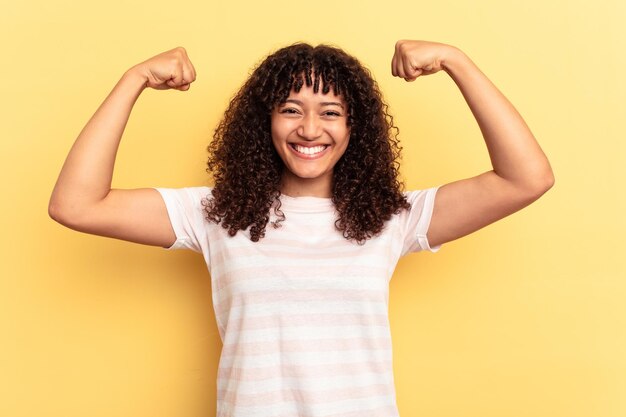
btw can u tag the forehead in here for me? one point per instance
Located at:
(309, 96)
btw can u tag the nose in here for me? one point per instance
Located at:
(310, 127)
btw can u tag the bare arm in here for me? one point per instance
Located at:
(82, 198)
(521, 172)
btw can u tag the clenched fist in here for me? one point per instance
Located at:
(414, 58)
(171, 69)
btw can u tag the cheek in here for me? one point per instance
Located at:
(276, 135)
(280, 129)
(272, 127)
(345, 139)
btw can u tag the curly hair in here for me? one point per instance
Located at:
(247, 169)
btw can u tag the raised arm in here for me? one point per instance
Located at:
(82, 198)
(521, 172)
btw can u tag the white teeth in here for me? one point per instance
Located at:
(309, 150)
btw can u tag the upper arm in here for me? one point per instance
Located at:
(138, 215)
(464, 206)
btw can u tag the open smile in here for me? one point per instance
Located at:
(308, 152)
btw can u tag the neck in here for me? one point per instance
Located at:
(306, 187)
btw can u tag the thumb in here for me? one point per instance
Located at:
(176, 79)
(413, 75)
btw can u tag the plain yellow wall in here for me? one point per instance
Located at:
(523, 318)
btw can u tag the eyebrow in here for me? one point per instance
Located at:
(324, 103)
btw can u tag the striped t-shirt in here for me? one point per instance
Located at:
(303, 312)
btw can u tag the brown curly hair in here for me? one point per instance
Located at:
(247, 169)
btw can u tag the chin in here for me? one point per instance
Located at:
(307, 174)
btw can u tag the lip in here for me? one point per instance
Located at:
(308, 145)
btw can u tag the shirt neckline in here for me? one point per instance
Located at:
(306, 204)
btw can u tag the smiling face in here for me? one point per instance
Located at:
(310, 133)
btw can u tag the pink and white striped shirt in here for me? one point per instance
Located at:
(303, 313)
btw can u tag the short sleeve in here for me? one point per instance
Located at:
(414, 223)
(185, 210)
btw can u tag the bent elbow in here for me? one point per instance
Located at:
(550, 181)
(62, 213)
(541, 185)
(547, 182)
(56, 212)
(52, 213)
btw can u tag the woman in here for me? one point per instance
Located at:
(306, 220)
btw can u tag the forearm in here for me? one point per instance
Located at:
(515, 154)
(88, 169)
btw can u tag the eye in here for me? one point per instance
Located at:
(288, 110)
(332, 113)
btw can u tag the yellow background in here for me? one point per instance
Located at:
(526, 317)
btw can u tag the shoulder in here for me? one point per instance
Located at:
(185, 198)
(422, 204)
(421, 197)
(190, 193)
